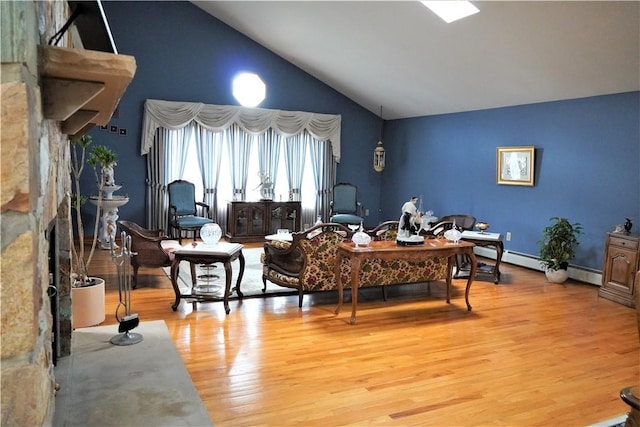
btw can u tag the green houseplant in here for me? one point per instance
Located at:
(557, 246)
(99, 157)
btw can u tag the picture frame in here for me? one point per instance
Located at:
(515, 165)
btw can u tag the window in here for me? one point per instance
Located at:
(192, 173)
(192, 141)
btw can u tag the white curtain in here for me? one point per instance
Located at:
(209, 148)
(268, 156)
(239, 153)
(176, 115)
(323, 173)
(165, 163)
(295, 154)
(169, 126)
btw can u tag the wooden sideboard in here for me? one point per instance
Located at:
(621, 262)
(251, 221)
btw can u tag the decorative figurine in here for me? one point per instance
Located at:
(410, 216)
(107, 176)
(266, 186)
(409, 224)
(628, 225)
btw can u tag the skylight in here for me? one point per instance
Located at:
(451, 11)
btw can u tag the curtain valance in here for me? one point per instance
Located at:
(176, 115)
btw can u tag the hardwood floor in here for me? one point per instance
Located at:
(530, 353)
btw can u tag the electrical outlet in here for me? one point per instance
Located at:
(508, 236)
(366, 212)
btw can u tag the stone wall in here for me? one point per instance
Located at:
(34, 182)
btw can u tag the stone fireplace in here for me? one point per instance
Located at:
(35, 244)
(35, 183)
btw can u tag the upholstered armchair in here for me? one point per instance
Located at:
(305, 263)
(345, 207)
(183, 209)
(151, 247)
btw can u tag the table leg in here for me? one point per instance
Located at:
(355, 285)
(174, 282)
(472, 274)
(450, 261)
(496, 268)
(194, 277)
(240, 274)
(227, 286)
(336, 272)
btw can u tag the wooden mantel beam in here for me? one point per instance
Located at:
(87, 80)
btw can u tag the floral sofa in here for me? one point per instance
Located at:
(307, 262)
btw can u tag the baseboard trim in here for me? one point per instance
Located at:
(582, 274)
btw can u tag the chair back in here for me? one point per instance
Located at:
(182, 196)
(463, 222)
(131, 228)
(345, 198)
(387, 230)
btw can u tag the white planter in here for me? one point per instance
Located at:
(88, 305)
(556, 276)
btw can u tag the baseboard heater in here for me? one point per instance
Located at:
(582, 274)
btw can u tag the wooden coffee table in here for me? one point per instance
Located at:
(199, 253)
(389, 250)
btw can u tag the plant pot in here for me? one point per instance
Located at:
(87, 304)
(556, 276)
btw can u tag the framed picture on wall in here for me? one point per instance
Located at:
(515, 165)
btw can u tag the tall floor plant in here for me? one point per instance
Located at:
(100, 156)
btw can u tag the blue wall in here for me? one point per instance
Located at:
(184, 54)
(587, 168)
(588, 150)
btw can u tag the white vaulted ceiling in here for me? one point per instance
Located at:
(398, 54)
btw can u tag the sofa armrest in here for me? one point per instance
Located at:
(283, 257)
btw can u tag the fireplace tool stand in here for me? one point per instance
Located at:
(129, 321)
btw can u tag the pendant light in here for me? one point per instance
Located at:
(378, 152)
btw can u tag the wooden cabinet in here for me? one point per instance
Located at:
(251, 221)
(621, 262)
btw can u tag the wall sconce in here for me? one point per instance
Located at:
(378, 152)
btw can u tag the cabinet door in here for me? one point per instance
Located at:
(242, 218)
(283, 215)
(619, 271)
(257, 220)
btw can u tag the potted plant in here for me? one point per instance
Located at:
(104, 158)
(557, 247)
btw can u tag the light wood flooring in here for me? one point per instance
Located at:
(531, 353)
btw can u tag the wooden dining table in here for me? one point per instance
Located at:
(389, 250)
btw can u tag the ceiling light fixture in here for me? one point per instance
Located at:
(451, 11)
(378, 152)
(249, 89)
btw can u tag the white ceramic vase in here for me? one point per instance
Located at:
(556, 276)
(88, 304)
